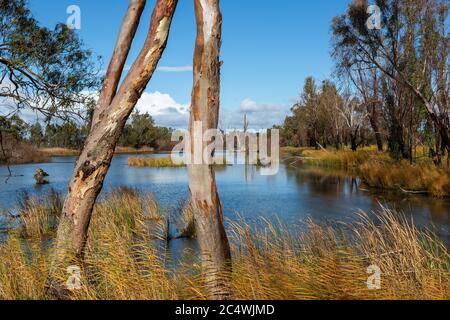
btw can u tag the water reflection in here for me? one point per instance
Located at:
(341, 191)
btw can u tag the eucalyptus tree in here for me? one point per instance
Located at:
(44, 70)
(410, 47)
(204, 198)
(365, 81)
(354, 115)
(114, 107)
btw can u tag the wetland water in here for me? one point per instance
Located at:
(293, 195)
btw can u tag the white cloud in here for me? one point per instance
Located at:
(259, 115)
(175, 69)
(250, 106)
(170, 113)
(164, 109)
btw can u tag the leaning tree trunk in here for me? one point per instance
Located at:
(112, 112)
(204, 200)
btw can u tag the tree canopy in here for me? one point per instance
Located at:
(46, 70)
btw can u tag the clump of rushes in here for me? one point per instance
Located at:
(60, 152)
(270, 261)
(321, 262)
(37, 218)
(187, 223)
(342, 159)
(153, 162)
(378, 170)
(292, 152)
(412, 178)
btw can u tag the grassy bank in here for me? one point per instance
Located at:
(24, 153)
(129, 150)
(21, 152)
(60, 152)
(378, 170)
(269, 262)
(64, 152)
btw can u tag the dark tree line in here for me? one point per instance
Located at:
(140, 132)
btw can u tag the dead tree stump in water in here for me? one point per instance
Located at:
(39, 176)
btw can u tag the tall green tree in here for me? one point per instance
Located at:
(411, 49)
(36, 134)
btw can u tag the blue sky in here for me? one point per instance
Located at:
(268, 49)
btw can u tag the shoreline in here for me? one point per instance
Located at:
(46, 153)
(378, 170)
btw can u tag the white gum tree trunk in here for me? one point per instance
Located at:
(215, 249)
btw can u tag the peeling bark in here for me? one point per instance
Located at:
(215, 249)
(112, 112)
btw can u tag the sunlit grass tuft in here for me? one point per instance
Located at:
(342, 159)
(378, 170)
(60, 152)
(419, 178)
(153, 162)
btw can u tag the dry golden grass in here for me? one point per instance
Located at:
(20, 152)
(64, 152)
(269, 262)
(153, 162)
(60, 152)
(378, 170)
(187, 222)
(130, 150)
(421, 177)
(38, 217)
(321, 263)
(291, 152)
(342, 159)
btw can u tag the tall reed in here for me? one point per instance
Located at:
(153, 162)
(414, 178)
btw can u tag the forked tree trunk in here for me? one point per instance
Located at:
(215, 249)
(111, 114)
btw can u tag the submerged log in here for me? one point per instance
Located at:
(39, 176)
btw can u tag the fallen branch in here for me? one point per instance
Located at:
(413, 192)
(321, 147)
(298, 158)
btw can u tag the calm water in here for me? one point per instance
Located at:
(292, 195)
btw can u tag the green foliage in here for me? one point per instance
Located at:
(142, 132)
(46, 70)
(323, 116)
(13, 128)
(408, 56)
(36, 134)
(66, 135)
